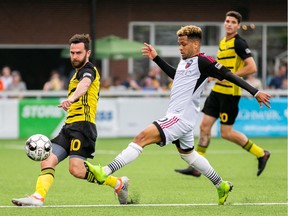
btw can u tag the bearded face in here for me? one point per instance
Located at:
(78, 55)
(79, 62)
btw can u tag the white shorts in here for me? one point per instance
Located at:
(175, 130)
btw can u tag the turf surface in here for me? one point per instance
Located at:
(154, 185)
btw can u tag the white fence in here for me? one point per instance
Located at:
(120, 114)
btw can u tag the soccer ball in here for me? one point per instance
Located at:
(38, 147)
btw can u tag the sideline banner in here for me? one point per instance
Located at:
(40, 116)
(262, 122)
(120, 117)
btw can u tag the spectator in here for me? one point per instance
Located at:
(17, 84)
(279, 79)
(131, 83)
(105, 84)
(285, 83)
(117, 85)
(1, 85)
(254, 81)
(6, 77)
(55, 82)
(151, 82)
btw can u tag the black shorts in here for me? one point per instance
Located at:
(78, 139)
(222, 106)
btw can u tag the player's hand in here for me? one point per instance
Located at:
(210, 79)
(65, 104)
(263, 97)
(149, 51)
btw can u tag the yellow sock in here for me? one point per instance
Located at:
(254, 149)
(111, 181)
(201, 150)
(44, 181)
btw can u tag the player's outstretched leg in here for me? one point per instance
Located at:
(223, 191)
(262, 162)
(32, 200)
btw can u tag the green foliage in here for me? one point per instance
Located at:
(154, 185)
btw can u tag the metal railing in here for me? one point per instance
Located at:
(115, 93)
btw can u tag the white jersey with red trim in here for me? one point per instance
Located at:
(186, 90)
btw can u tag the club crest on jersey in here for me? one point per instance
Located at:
(188, 64)
(248, 51)
(218, 65)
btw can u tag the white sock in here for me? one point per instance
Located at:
(128, 155)
(202, 164)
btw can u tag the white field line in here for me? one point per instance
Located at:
(163, 151)
(148, 205)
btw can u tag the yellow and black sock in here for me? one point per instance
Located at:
(90, 177)
(254, 149)
(111, 181)
(44, 181)
(201, 150)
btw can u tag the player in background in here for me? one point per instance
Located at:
(77, 137)
(224, 98)
(177, 125)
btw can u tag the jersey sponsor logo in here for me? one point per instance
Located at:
(163, 119)
(218, 66)
(248, 51)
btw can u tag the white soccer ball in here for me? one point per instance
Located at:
(38, 147)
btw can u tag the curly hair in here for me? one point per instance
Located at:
(191, 31)
(81, 38)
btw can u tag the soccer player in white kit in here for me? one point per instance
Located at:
(176, 127)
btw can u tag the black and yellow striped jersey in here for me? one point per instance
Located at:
(231, 54)
(85, 108)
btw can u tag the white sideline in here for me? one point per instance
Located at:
(148, 205)
(163, 152)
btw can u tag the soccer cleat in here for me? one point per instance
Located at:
(223, 190)
(28, 201)
(189, 171)
(262, 162)
(122, 190)
(97, 171)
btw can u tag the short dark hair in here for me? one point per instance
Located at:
(235, 14)
(81, 38)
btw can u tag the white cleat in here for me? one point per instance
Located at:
(122, 190)
(28, 201)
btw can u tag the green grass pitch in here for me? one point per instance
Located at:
(153, 183)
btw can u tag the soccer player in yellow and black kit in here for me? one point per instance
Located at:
(223, 100)
(78, 136)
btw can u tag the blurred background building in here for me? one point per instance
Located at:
(34, 32)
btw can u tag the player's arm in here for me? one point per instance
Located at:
(210, 67)
(151, 53)
(81, 89)
(249, 68)
(168, 69)
(242, 50)
(260, 96)
(86, 77)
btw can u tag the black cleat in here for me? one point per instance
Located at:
(189, 171)
(262, 162)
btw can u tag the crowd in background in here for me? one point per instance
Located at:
(11, 80)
